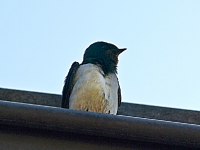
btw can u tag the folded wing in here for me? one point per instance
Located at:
(68, 85)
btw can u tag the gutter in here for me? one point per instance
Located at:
(104, 125)
(126, 109)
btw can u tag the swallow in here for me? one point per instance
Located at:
(93, 85)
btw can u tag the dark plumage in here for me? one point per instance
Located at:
(96, 74)
(103, 54)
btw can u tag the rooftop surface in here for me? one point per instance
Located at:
(33, 115)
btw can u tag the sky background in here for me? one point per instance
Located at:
(39, 40)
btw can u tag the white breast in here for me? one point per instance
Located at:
(93, 91)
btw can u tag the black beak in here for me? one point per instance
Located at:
(120, 50)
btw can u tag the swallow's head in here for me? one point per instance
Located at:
(104, 51)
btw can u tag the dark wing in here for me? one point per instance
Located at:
(68, 86)
(119, 96)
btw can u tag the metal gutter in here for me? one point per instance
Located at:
(127, 109)
(123, 127)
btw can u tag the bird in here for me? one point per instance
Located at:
(93, 85)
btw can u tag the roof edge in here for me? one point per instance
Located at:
(115, 126)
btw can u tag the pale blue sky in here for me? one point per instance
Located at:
(39, 40)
